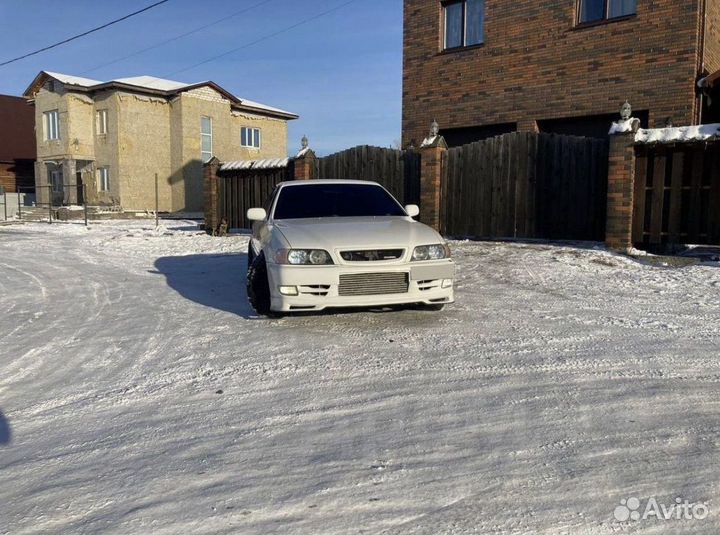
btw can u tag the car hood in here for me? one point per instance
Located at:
(356, 232)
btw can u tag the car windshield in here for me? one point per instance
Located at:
(335, 200)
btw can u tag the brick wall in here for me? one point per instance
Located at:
(712, 36)
(536, 65)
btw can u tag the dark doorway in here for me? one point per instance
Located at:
(595, 126)
(456, 137)
(711, 106)
(80, 189)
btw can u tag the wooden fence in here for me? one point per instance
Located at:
(677, 195)
(398, 171)
(526, 185)
(241, 189)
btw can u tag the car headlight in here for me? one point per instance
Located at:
(303, 257)
(431, 252)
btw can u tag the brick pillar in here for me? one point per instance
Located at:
(621, 180)
(210, 187)
(432, 158)
(305, 165)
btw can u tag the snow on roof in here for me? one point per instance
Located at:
(73, 80)
(681, 134)
(268, 163)
(159, 84)
(151, 82)
(253, 104)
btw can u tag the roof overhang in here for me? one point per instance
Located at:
(279, 114)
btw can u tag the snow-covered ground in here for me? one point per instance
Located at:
(139, 394)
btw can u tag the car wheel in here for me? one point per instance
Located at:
(434, 308)
(258, 288)
(250, 255)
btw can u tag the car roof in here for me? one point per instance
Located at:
(326, 181)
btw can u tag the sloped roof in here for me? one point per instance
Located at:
(17, 129)
(73, 80)
(268, 163)
(153, 85)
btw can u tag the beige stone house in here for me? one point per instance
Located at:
(107, 140)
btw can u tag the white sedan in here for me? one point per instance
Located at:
(343, 243)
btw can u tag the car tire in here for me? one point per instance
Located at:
(434, 308)
(250, 255)
(258, 287)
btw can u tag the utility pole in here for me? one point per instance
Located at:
(84, 190)
(157, 202)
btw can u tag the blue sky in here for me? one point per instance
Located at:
(342, 72)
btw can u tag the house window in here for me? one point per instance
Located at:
(51, 121)
(104, 179)
(598, 10)
(464, 23)
(250, 137)
(206, 141)
(101, 122)
(56, 179)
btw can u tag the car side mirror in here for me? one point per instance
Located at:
(256, 214)
(412, 210)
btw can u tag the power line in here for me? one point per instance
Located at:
(78, 36)
(177, 37)
(264, 38)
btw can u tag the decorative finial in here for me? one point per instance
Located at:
(434, 129)
(626, 111)
(304, 142)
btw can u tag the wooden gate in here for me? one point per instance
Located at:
(677, 195)
(526, 185)
(397, 170)
(240, 189)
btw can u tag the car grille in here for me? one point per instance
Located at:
(372, 255)
(373, 284)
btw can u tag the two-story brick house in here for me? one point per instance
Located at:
(487, 67)
(109, 139)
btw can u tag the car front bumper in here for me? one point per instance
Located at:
(319, 287)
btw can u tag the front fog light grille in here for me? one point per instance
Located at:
(373, 284)
(320, 290)
(424, 286)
